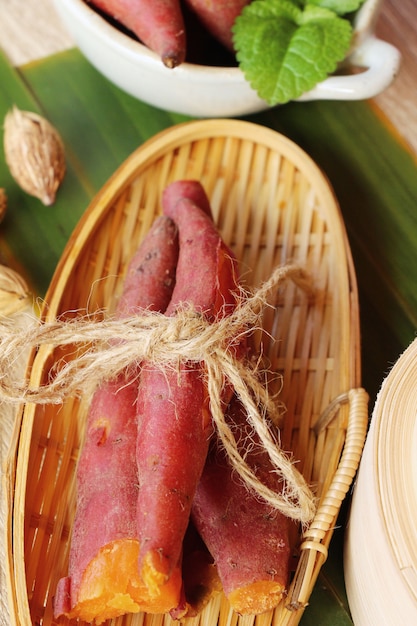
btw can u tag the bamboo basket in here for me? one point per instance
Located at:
(380, 557)
(273, 206)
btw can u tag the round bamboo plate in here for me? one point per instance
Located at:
(380, 548)
(273, 206)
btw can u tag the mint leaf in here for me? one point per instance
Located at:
(341, 7)
(285, 50)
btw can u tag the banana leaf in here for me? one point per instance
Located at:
(373, 174)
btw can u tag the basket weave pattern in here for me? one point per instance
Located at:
(273, 206)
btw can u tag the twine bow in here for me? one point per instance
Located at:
(114, 345)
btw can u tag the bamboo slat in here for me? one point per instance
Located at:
(273, 206)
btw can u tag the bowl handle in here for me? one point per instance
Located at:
(380, 60)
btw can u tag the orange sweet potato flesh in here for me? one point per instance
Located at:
(159, 24)
(103, 579)
(174, 421)
(111, 586)
(249, 541)
(218, 17)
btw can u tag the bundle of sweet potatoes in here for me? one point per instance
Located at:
(166, 26)
(162, 522)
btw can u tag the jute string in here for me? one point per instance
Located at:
(115, 345)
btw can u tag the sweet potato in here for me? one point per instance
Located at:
(174, 420)
(207, 268)
(248, 539)
(103, 579)
(159, 24)
(218, 17)
(189, 189)
(150, 276)
(173, 434)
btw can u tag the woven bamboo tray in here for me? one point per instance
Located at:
(273, 206)
(380, 557)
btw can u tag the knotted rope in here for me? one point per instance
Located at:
(161, 341)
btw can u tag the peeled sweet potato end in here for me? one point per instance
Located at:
(111, 586)
(256, 598)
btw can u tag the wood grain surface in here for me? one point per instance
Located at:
(396, 24)
(30, 29)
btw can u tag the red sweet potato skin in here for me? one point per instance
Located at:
(150, 276)
(208, 266)
(106, 476)
(158, 24)
(218, 16)
(173, 411)
(248, 539)
(107, 483)
(189, 189)
(171, 453)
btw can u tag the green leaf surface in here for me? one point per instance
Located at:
(284, 51)
(341, 7)
(373, 175)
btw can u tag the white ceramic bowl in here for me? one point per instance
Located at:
(203, 91)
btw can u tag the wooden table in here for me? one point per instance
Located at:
(396, 24)
(34, 33)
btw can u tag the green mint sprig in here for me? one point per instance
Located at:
(285, 47)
